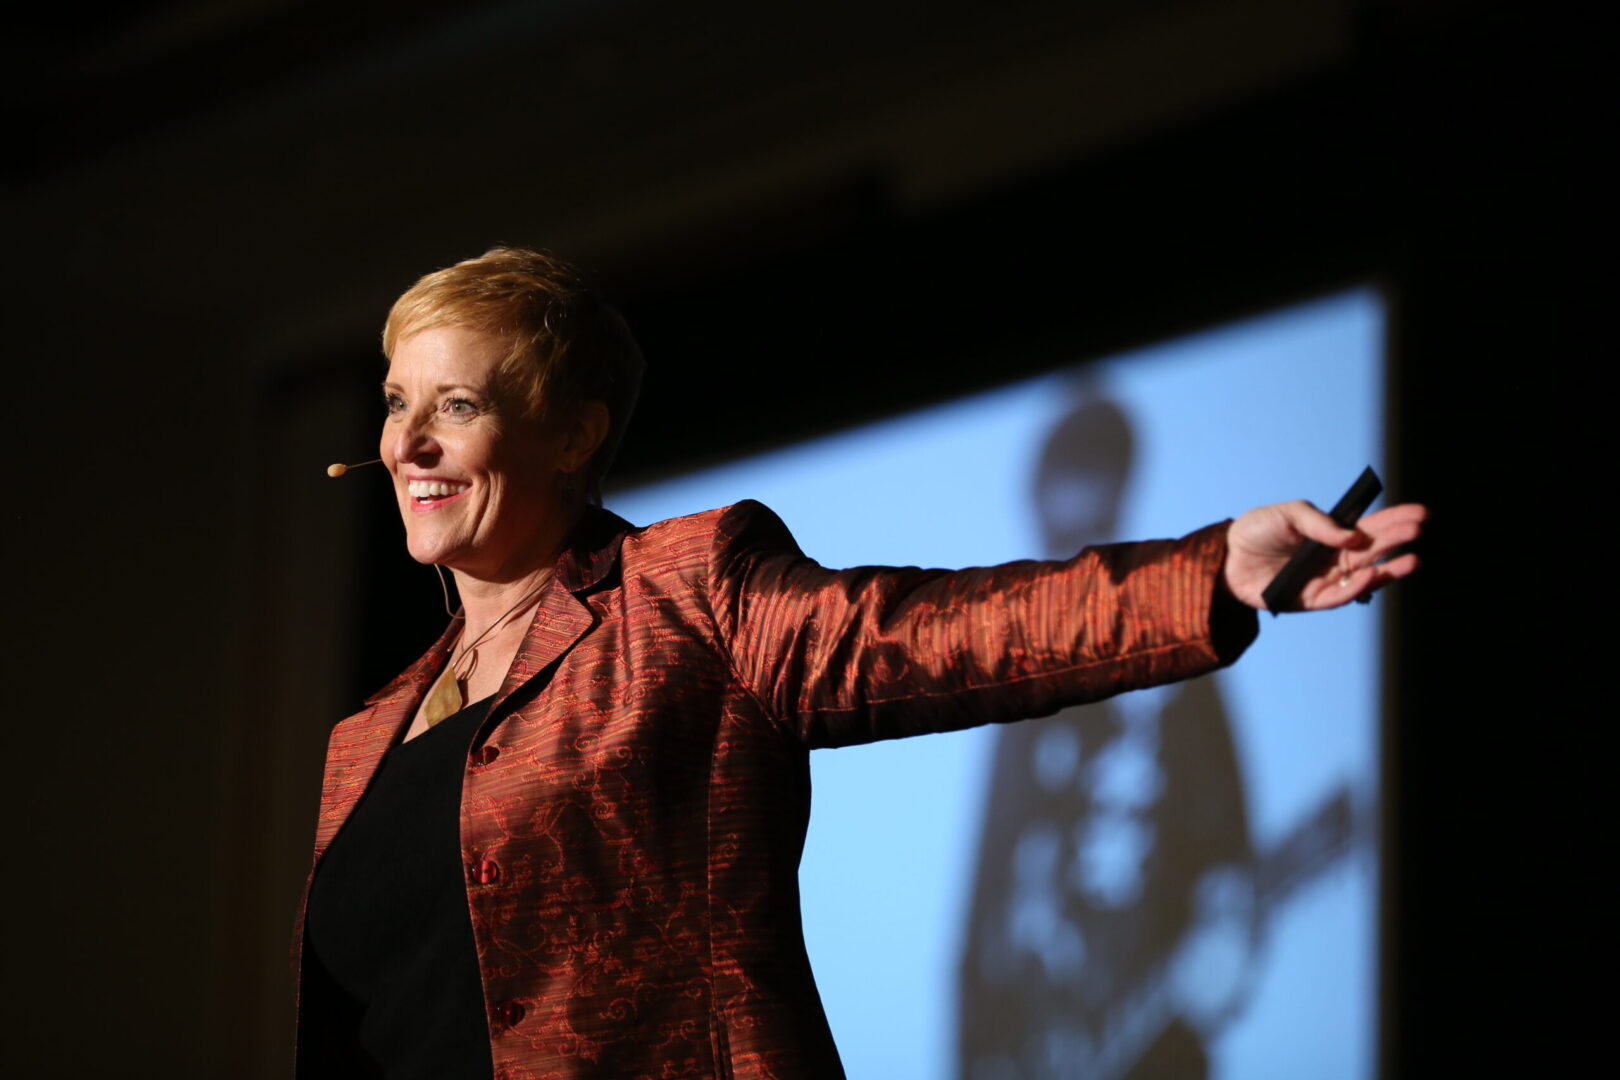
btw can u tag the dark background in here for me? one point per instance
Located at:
(812, 217)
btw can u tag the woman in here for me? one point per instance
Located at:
(591, 869)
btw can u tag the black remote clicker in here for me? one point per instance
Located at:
(1312, 556)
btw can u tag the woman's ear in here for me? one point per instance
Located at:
(585, 434)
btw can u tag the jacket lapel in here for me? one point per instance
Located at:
(561, 619)
(563, 616)
(359, 742)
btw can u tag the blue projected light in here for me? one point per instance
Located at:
(922, 887)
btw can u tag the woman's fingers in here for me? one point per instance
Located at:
(1348, 583)
(1313, 524)
(1385, 532)
(1406, 516)
(1369, 561)
(1381, 530)
(1365, 558)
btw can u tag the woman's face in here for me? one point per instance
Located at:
(477, 483)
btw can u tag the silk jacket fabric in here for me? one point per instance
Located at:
(635, 804)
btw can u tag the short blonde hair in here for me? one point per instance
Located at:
(566, 346)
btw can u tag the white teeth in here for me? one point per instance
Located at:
(428, 489)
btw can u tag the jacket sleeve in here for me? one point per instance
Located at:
(851, 656)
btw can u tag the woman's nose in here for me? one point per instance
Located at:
(413, 440)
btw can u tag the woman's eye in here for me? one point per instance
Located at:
(393, 403)
(460, 407)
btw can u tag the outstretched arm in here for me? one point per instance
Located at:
(850, 656)
(1365, 558)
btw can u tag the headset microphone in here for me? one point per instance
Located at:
(339, 470)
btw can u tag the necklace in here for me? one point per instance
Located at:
(445, 699)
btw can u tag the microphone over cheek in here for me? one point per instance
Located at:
(336, 470)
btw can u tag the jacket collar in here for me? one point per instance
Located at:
(592, 550)
(589, 556)
(562, 618)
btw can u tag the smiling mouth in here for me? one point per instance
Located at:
(428, 494)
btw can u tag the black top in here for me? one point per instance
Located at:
(392, 987)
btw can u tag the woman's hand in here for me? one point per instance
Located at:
(1260, 542)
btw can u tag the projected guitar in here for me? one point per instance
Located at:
(1134, 1000)
(1204, 981)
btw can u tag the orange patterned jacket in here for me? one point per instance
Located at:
(635, 804)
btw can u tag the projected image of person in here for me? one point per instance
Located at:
(1101, 822)
(1118, 904)
(565, 842)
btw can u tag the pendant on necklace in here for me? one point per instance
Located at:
(444, 699)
